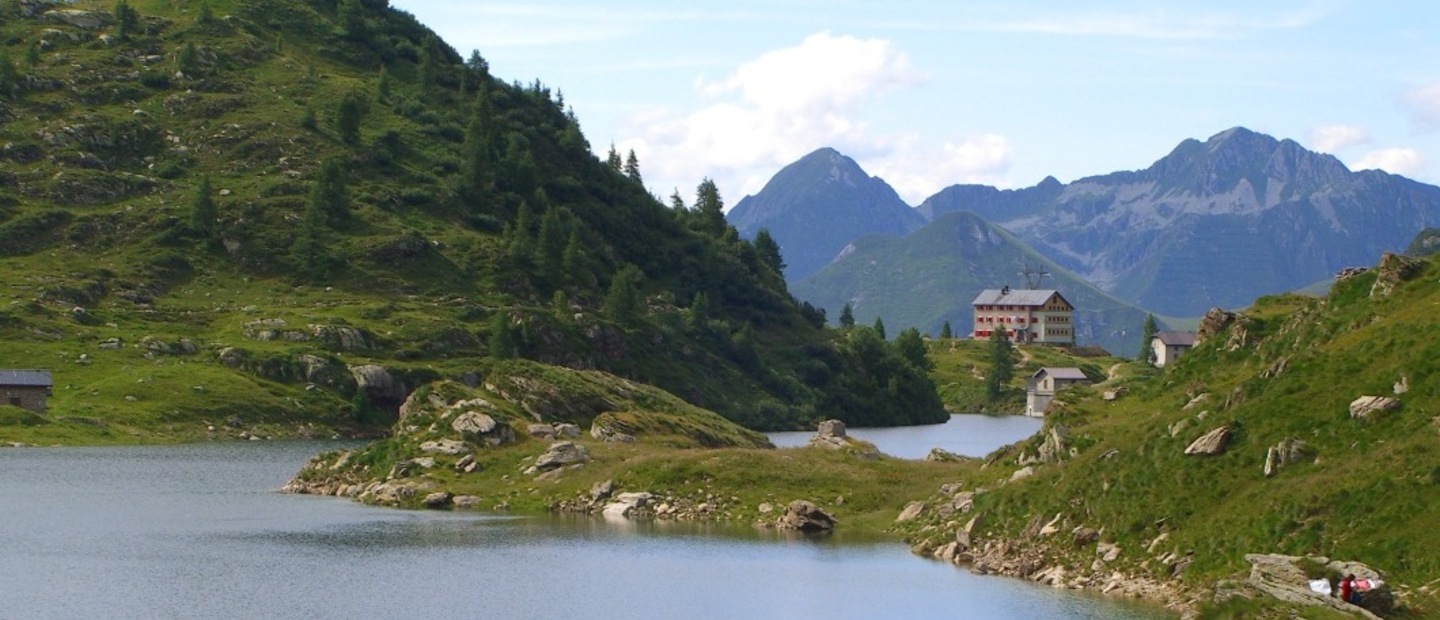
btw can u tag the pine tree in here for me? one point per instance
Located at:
(347, 118)
(352, 21)
(623, 302)
(502, 336)
(187, 60)
(911, 346)
(127, 20)
(552, 238)
(575, 264)
(710, 209)
(202, 209)
(880, 327)
(1147, 333)
(308, 251)
(328, 195)
(1002, 364)
(32, 54)
(847, 316)
(206, 15)
(676, 202)
(632, 167)
(479, 146)
(307, 118)
(382, 88)
(612, 159)
(699, 310)
(945, 332)
(769, 252)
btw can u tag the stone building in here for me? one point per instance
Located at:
(27, 389)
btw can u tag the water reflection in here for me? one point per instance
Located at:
(966, 434)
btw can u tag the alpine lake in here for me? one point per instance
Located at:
(200, 531)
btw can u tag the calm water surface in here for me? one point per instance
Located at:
(198, 531)
(967, 435)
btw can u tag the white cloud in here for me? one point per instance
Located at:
(788, 102)
(1332, 138)
(1408, 162)
(1424, 103)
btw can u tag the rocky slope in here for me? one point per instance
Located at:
(1214, 223)
(819, 204)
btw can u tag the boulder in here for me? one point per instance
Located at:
(912, 511)
(84, 20)
(610, 435)
(540, 431)
(1394, 269)
(626, 505)
(1054, 449)
(602, 490)
(830, 428)
(438, 500)
(1085, 535)
(466, 464)
(481, 429)
(1022, 473)
(1210, 443)
(565, 430)
(560, 454)
(805, 517)
(1288, 451)
(1366, 406)
(941, 455)
(1214, 322)
(1282, 577)
(449, 447)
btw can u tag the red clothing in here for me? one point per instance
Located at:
(1346, 588)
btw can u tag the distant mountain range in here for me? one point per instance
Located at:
(817, 205)
(932, 275)
(1213, 223)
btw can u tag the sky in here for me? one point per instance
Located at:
(928, 94)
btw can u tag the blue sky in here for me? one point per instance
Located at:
(929, 94)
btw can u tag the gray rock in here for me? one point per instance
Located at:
(1210, 443)
(912, 511)
(1365, 407)
(84, 20)
(450, 447)
(567, 431)
(1022, 473)
(438, 500)
(560, 454)
(626, 505)
(1288, 451)
(466, 464)
(831, 428)
(806, 517)
(542, 431)
(379, 383)
(1054, 448)
(1281, 577)
(474, 423)
(940, 455)
(601, 491)
(466, 501)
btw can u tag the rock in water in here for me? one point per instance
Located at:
(1210, 443)
(806, 517)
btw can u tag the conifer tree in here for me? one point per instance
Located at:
(612, 159)
(329, 195)
(307, 118)
(1147, 333)
(623, 302)
(308, 250)
(352, 20)
(574, 263)
(480, 146)
(347, 118)
(632, 167)
(382, 88)
(202, 209)
(552, 238)
(206, 15)
(127, 20)
(769, 252)
(1002, 364)
(710, 209)
(520, 236)
(880, 327)
(502, 336)
(847, 316)
(32, 54)
(911, 346)
(945, 332)
(676, 202)
(187, 60)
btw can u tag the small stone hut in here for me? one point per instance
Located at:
(27, 389)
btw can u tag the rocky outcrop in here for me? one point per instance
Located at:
(482, 429)
(1287, 578)
(1366, 407)
(831, 435)
(379, 383)
(84, 20)
(605, 433)
(805, 516)
(1214, 322)
(1394, 269)
(1288, 451)
(449, 447)
(626, 505)
(1211, 443)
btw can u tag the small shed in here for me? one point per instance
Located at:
(1168, 345)
(1042, 386)
(27, 389)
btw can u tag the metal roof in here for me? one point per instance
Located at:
(29, 378)
(1016, 297)
(1176, 339)
(1062, 373)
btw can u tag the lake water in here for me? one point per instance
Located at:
(967, 435)
(198, 531)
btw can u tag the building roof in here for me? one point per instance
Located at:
(1176, 339)
(1016, 297)
(1062, 373)
(28, 378)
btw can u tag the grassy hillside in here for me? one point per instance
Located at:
(962, 364)
(1283, 371)
(215, 215)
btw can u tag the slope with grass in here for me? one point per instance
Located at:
(1281, 377)
(279, 217)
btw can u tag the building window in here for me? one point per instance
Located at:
(15, 400)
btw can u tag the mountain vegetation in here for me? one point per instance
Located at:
(1213, 224)
(930, 277)
(816, 206)
(282, 217)
(1321, 442)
